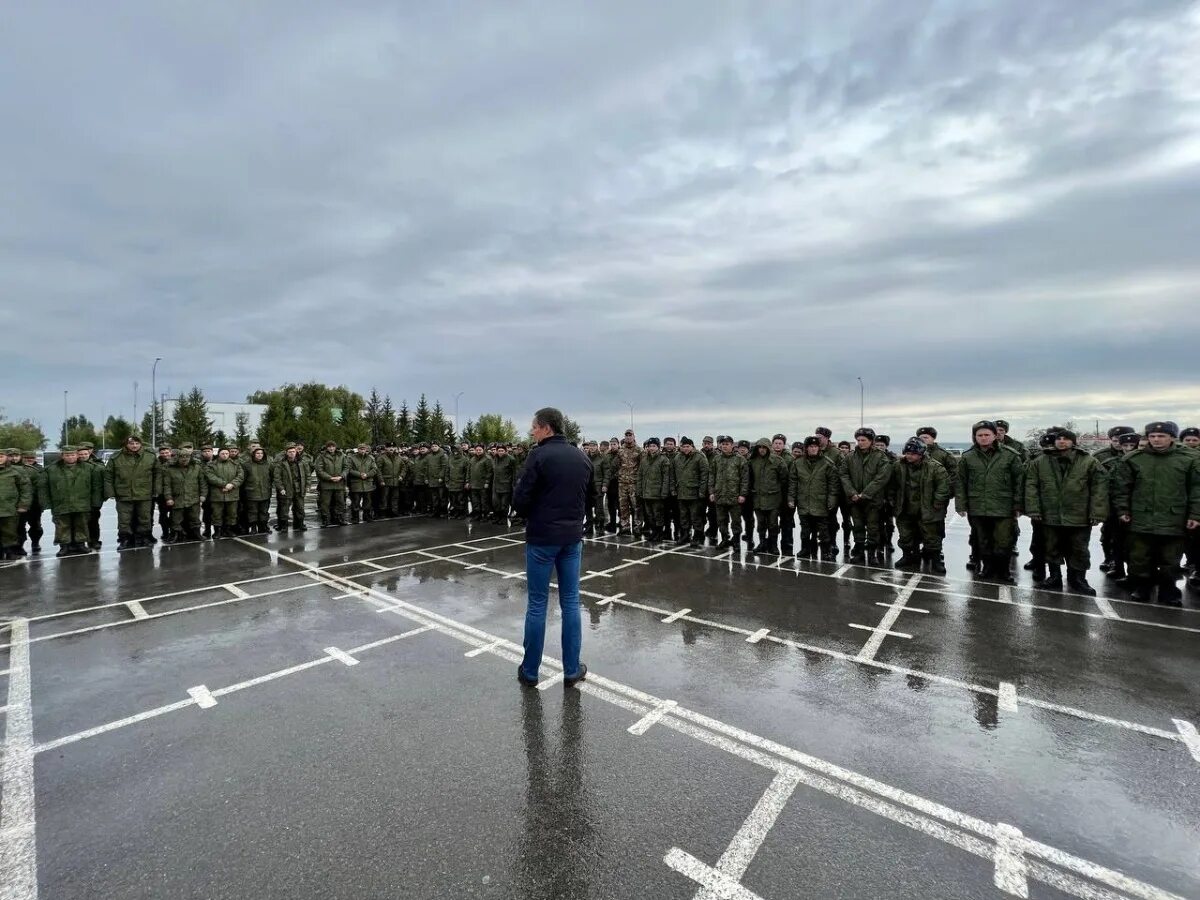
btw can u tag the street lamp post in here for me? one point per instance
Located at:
(862, 401)
(65, 436)
(456, 396)
(154, 403)
(630, 405)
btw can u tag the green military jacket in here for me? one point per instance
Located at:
(71, 489)
(813, 485)
(362, 472)
(1015, 446)
(420, 470)
(654, 477)
(391, 469)
(459, 469)
(866, 473)
(768, 477)
(940, 454)
(257, 482)
(132, 476)
(37, 485)
(629, 461)
(1068, 489)
(601, 471)
(989, 484)
(1107, 456)
(187, 484)
(691, 475)
(1159, 490)
(330, 466)
(932, 483)
(221, 472)
(437, 469)
(15, 491)
(504, 474)
(291, 478)
(480, 472)
(728, 478)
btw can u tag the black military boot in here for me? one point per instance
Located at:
(64, 550)
(937, 565)
(1077, 581)
(725, 544)
(1168, 592)
(908, 560)
(857, 556)
(281, 525)
(1193, 583)
(829, 552)
(1116, 571)
(1038, 569)
(1055, 581)
(208, 532)
(1002, 569)
(1107, 565)
(1141, 590)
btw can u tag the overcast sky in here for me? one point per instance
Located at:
(723, 213)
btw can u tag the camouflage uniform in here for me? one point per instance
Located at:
(629, 457)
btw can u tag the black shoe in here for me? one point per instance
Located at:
(858, 556)
(281, 526)
(1077, 581)
(973, 565)
(937, 566)
(526, 682)
(300, 527)
(832, 551)
(1116, 571)
(1169, 593)
(567, 682)
(64, 550)
(1039, 572)
(725, 544)
(1055, 580)
(908, 561)
(1142, 592)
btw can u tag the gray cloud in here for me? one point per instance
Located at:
(725, 215)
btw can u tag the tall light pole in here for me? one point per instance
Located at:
(65, 441)
(456, 396)
(630, 405)
(862, 401)
(154, 404)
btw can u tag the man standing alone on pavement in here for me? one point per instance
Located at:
(552, 496)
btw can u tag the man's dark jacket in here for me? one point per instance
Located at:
(553, 491)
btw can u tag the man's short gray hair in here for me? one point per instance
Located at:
(549, 417)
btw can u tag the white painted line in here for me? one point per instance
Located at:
(486, 648)
(139, 611)
(507, 574)
(838, 573)
(915, 609)
(603, 600)
(871, 647)
(1005, 594)
(204, 699)
(18, 825)
(714, 883)
(740, 853)
(348, 594)
(1106, 608)
(758, 635)
(375, 566)
(1009, 874)
(235, 590)
(728, 552)
(635, 562)
(341, 656)
(642, 725)
(1189, 736)
(881, 633)
(547, 683)
(113, 726)
(363, 648)
(1006, 699)
(596, 574)
(675, 616)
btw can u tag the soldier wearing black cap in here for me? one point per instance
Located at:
(865, 473)
(988, 491)
(1067, 491)
(728, 484)
(787, 515)
(813, 486)
(830, 451)
(1037, 541)
(207, 454)
(1106, 458)
(87, 457)
(1157, 492)
(1119, 529)
(743, 450)
(920, 494)
(1007, 440)
(613, 498)
(709, 449)
(670, 449)
(690, 480)
(654, 484)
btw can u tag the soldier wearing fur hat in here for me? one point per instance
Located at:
(865, 473)
(1156, 491)
(690, 480)
(919, 491)
(813, 486)
(988, 492)
(786, 515)
(654, 484)
(1037, 540)
(1067, 491)
(728, 485)
(743, 450)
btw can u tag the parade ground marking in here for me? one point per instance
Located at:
(18, 829)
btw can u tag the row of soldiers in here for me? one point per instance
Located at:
(225, 492)
(1144, 490)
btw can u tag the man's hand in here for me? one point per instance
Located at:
(228, 487)
(1127, 518)
(22, 511)
(712, 498)
(854, 498)
(961, 514)
(1096, 522)
(336, 478)
(1033, 518)
(741, 499)
(1193, 524)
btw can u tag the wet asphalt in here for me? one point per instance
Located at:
(421, 771)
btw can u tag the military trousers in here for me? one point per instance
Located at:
(94, 527)
(70, 528)
(768, 525)
(727, 515)
(258, 512)
(691, 519)
(206, 513)
(814, 533)
(787, 527)
(30, 523)
(1191, 546)
(437, 501)
(389, 499)
(866, 519)
(614, 501)
(289, 509)
(501, 503)
(598, 510)
(747, 514)
(1069, 544)
(918, 534)
(133, 517)
(186, 520)
(225, 513)
(8, 532)
(1155, 555)
(164, 514)
(845, 508)
(628, 499)
(671, 513)
(1037, 543)
(993, 535)
(655, 511)
(420, 498)
(480, 502)
(361, 507)
(332, 507)
(710, 514)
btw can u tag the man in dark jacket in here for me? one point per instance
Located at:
(988, 491)
(865, 473)
(551, 496)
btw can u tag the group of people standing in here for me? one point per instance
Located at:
(1143, 490)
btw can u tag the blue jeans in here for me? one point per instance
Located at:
(540, 561)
